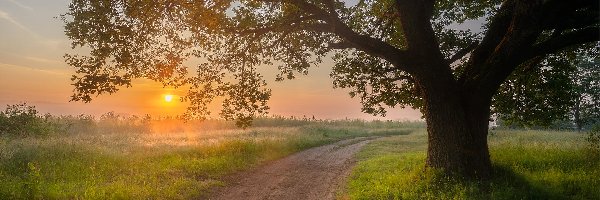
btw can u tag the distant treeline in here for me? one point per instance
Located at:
(24, 120)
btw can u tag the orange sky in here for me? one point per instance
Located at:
(32, 70)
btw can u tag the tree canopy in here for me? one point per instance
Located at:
(131, 39)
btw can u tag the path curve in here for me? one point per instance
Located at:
(316, 173)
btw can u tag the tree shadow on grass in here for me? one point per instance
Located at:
(506, 184)
(525, 173)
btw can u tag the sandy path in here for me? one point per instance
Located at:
(315, 173)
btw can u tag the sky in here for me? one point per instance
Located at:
(32, 70)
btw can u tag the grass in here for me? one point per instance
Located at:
(527, 165)
(181, 165)
(141, 158)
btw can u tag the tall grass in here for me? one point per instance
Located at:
(527, 165)
(117, 157)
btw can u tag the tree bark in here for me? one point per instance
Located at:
(457, 126)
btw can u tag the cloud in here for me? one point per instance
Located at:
(51, 43)
(7, 17)
(22, 67)
(43, 60)
(19, 4)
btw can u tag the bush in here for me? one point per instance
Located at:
(79, 124)
(114, 123)
(593, 139)
(23, 120)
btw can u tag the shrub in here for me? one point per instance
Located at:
(24, 120)
(593, 139)
(111, 122)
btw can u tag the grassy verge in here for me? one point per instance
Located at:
(528, 165)
(149, 166)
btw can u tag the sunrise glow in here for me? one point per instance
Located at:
(32, 69)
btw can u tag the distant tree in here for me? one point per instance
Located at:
(586, 109)
(541, 99)
(562, 87)
(389, 52)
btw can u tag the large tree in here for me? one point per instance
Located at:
(389, 52)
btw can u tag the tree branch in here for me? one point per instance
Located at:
(373, 46)
(572, 15)
(352, 39)
(403, 77)
(557, 43)
(415, 16)
(518, 29)
(283, 25)
(430, 66)
(280, 39)
(331, 8)
(496, 31)
(458, 55)
(341, 45)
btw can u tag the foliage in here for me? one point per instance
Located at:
(540, 99)
(561, 87)
(586, 111)
(385, 51)
(593, 139)
(23, 120)
(527, 165)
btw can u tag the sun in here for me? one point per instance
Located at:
(168, 98)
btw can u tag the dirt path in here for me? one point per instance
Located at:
(311, 174)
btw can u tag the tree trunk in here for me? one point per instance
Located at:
(457, 126)
(577, 115)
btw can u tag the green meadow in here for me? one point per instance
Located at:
(527, 165)
(115, 158)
